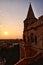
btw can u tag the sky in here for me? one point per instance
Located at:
(12, 15)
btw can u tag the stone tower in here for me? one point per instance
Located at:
(27, 23)
(32, 39)
(25, 48)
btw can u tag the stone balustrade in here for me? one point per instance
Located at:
(29, 60)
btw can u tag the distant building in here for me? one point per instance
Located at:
(31, 48)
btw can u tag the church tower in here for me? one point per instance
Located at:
(30, 19)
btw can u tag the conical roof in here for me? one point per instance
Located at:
(30, 13)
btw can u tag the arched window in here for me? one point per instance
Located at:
(28, 38)
(24, 38)
(26, 24)
(33, 38)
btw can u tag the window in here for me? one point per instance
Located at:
(36, 39)
(24, 38)
(33, 38)
(28, 38)
(26, 24)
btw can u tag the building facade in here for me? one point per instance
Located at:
(31, 48)
(33, 30)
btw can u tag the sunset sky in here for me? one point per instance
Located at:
(12, 14)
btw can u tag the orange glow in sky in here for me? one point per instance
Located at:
(12, 15)
(5, 33)
(10, 33)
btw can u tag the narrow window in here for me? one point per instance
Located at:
(32, 37)
(24, 38)
(28, 38)
(35, 39)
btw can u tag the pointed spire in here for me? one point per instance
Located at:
(30, 12)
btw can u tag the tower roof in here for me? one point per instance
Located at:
(30, 12)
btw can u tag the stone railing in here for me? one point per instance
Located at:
(24, 61)
(29, 60)
(20, 62)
